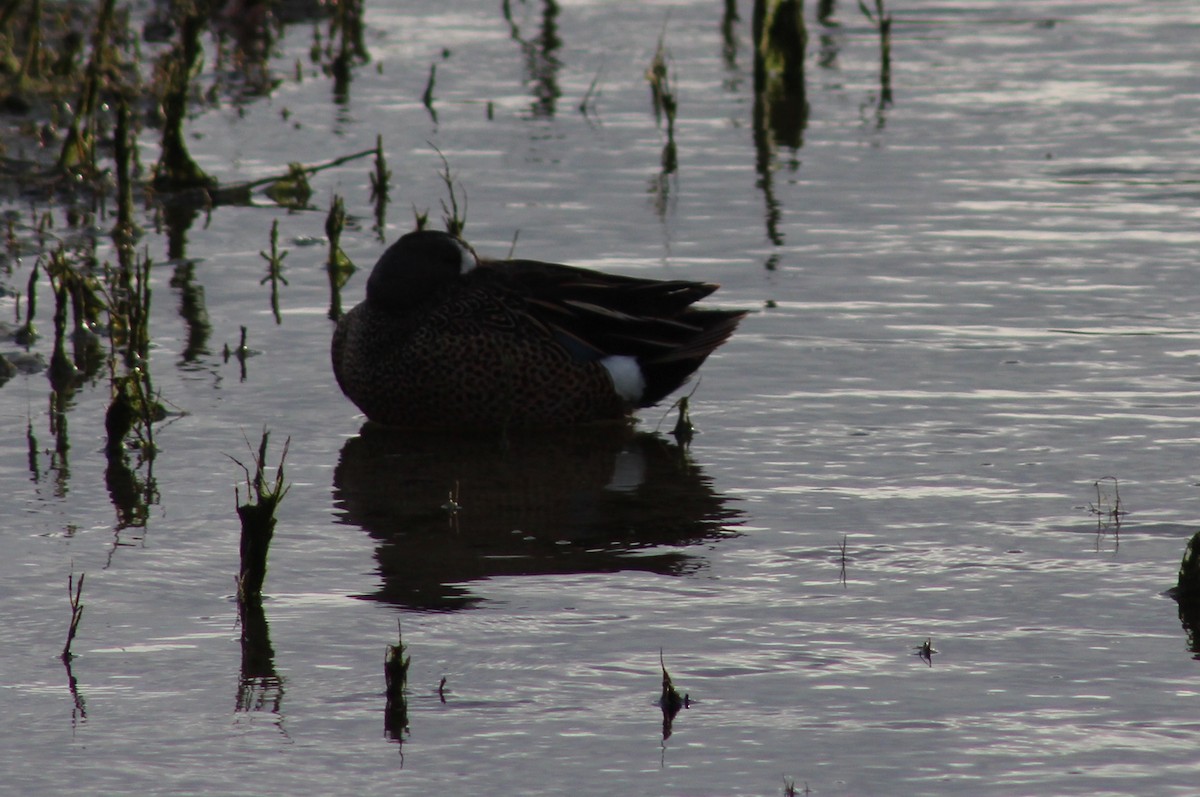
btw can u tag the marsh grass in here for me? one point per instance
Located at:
(454, 218)
(257, 516)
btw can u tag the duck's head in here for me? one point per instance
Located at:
(414, 267)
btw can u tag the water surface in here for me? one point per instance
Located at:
(971, 305)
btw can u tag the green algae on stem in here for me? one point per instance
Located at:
(291, 191)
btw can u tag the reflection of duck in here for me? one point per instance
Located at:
(447, 339)
(584, 500)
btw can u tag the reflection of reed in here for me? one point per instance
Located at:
(780, 112)
(574, 501)
(541, 61)
(883, 23)
(259, 686)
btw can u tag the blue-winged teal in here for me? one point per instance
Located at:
(448, 339)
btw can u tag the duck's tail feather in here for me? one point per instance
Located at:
(667, 370)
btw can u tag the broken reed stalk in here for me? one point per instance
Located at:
(684, 429)
(257, 516)
(74, 594)
(670, 702)
(395, 673)
(175, 169)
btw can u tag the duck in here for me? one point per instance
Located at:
(447, 339)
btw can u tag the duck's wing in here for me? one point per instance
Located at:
(595, 315)
(552, 282)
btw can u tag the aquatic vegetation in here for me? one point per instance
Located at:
(1107, 507)
(883, 23)
(274, 271)
(780, 39)
(380, 186)
(337, 265)
(926, 651)
(670, 701)
(454, 219)
(175, 170)
(684, 429)
(842, 559)
(1187, 587)
(427, 95)
(75, 595)
(257, 516)
(292, 190)
(395, 672)
(665, 104)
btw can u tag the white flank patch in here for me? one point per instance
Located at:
(468, 261)
(626, 376)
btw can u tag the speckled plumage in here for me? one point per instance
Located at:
(445, 339)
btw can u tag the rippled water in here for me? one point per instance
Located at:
(971, 307)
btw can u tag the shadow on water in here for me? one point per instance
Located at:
(448, 510)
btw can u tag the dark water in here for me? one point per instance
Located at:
(973, 305)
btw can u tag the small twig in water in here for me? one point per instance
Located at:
(74, 594)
